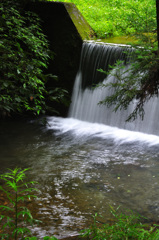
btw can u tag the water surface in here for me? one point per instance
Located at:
(82, 168)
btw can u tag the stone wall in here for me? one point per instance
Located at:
(65, 28)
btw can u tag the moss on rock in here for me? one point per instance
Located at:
(82, 26)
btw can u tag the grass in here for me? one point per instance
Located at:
(117, 17)
(125, 227)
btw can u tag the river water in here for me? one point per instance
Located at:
(82, 169)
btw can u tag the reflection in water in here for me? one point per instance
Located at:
(82, 168)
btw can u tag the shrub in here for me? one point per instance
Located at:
(17, 191)
(125, 227)
(24, 56)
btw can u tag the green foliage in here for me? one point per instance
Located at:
(136, 83)
(17, 191)
(24, 56)
(118, 17)
(125, 227)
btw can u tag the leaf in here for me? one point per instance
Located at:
(5, 84)
(18, 99)
(25, 212)
(13, 185)
(6, 208)
(30, 238)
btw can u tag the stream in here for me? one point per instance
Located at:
(82, 168)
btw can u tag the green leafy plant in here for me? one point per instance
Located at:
(124, 227)
(135, 83)
(24, 58)
(14, 214)
(45, 238)
(24, 54)
(16, 191)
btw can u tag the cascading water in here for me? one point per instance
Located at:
(85, 99)
(84, 167)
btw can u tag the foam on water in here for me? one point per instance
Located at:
(85, 99)
(82, 129)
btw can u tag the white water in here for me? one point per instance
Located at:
(85, 105)
(82, 169)
(85, 130)
(103, 162)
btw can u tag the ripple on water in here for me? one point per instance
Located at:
(83, 168)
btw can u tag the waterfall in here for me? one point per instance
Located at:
(85, 98)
